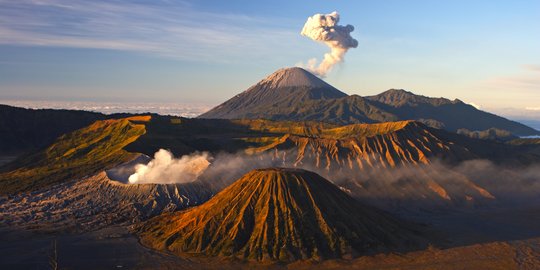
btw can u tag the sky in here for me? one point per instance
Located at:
(204, 52)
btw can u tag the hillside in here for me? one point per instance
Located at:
(279, 214)
(394, 164)
(296, 95)
(370, 145)
(73, 155)
(453, 114)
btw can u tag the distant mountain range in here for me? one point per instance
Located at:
(297, 95)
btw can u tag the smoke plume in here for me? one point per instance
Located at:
(325, 28)
(436, 184)
(165, 169)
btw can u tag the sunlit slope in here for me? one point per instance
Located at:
(401, 142)
(183, 136)
(279, 214)
(367, 145)
(74, 155)
(386, 164)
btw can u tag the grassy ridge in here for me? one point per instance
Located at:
(74, 155)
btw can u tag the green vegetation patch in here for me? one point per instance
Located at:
(74, 155)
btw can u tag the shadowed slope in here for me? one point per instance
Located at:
(453, 114)
(24, 130)
(279, 214)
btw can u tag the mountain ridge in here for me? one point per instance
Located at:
(311, 99)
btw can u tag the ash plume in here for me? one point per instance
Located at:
(165, 169)
(324, 28)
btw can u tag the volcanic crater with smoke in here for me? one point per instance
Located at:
(325, 28)
(165, 169)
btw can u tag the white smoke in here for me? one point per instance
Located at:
(325, 28)
(379, 185)
(165, 169)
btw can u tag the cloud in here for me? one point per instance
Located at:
(535, 68)
(168, 28)
(325, 29)
(163, 108)
(516, 81)
(532, 108)
(475, 105)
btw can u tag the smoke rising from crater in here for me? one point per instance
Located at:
(165, 169)
(324, 28)
(476, 179)
(479, 180)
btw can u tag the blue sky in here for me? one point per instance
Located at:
(484, 52)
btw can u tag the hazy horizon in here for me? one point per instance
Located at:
(191, 110)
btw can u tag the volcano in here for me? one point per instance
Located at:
(284, 88)
(279, 214)
(294, 94)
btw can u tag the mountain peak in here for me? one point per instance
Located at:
(293, 77)
(400, 97)
(284, 88)
(279, 214)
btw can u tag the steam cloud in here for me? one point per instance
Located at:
(325, 28)
(165, 169)
(380, 185)
(395, 187)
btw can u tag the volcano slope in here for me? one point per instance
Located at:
(279, 214)
(95, 202)
(83, 152)
(65, 186)
(284, 88)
